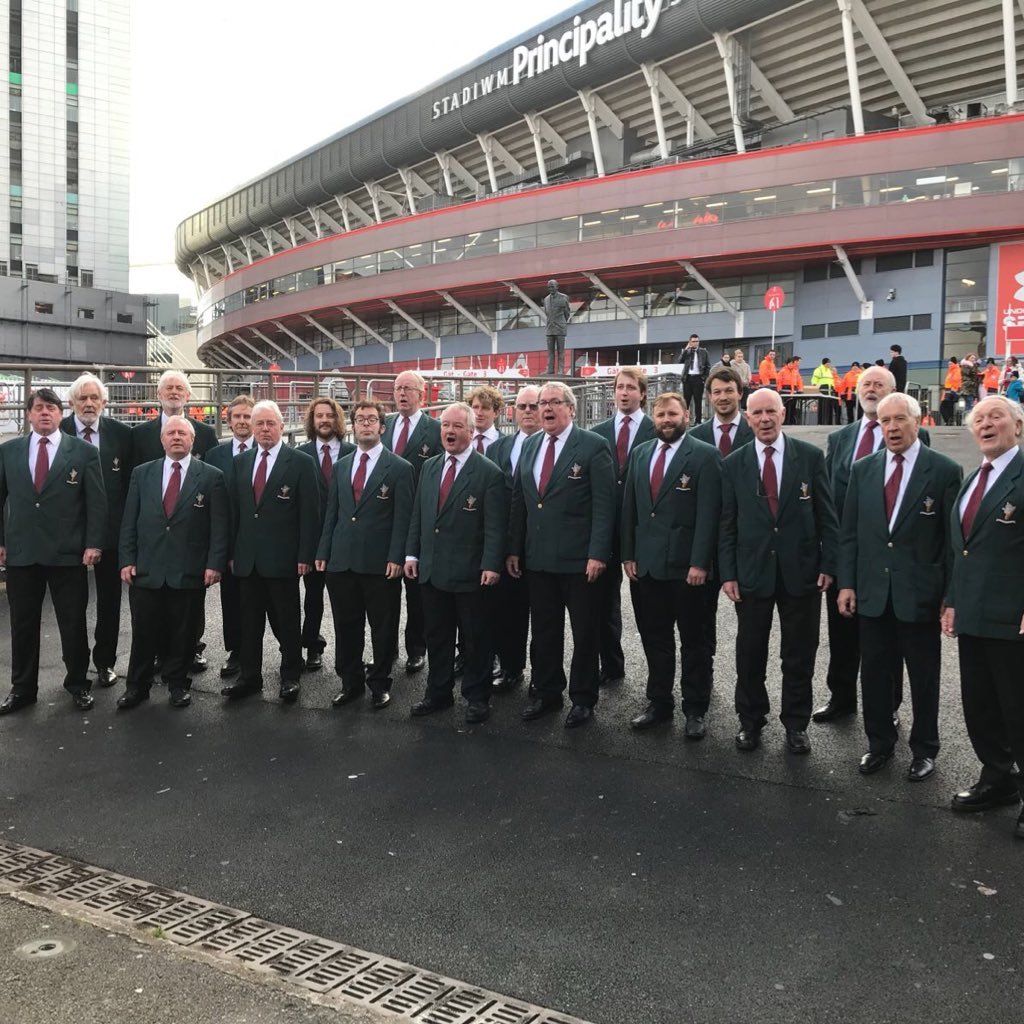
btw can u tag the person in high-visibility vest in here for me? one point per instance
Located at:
(823, 379)
(951, 394)
(791, 383)
(990, 380)
(848, 391)
(767, 372)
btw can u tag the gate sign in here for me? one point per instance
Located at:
(127, 374)
(1009, 318)
(774, 298)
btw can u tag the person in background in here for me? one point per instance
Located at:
(696, 366)
(970, 381)
(1011, 365)
(897, 366)
(824, 380)
(990, 379)
(848, 391)
(767, 372)
(790, 385)
(951, 393)
(742, 367)
(1015, 389)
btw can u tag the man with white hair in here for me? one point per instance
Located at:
(113, 439)
(275, 505)
(894, 567)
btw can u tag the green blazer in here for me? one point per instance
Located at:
(706, 432)
(424, 442)
(575, 519)
(911, 565)
(310, 448)
(987, 587)
(175, 551)
(364, 537)
(116, 460)
(468, 535)
(680, 527)
(803, 542)
(606, 429)
(500, 453)
(70, 515)
(147, 446)
(272, 538)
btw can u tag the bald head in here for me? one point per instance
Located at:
(765, 414)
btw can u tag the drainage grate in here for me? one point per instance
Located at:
(342, 974)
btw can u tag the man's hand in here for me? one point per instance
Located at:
(304, 568)
(127, 574)
(412, 569)
(824, 581)
(696, 577)
(393, 571)
(488, 578)
(846, 602)
(731, 589)
(91, 556)
(629, 571)
(594, 569)
(512, 566)
(948, 622)
(321, 565)
(3, 556)
(210, 577)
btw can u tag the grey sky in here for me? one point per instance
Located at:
(224, 89)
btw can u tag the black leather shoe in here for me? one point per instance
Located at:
(1018, 832)
(871, 763)
(920, 769)
(314, 661)
(509, 681)
(415, 663)
(798, 741)
(578, 715)
(180, 698)
(832, 711)
(199, 664)
(609, 680)
(428, 706)
(540, 706)
(346, 695)
(105, 677)
(695, 728)
(83, 700)
(748, 739)
(289, 691)
(231, 667)
(983, 795)
(653, 715)
(460, 665)
(132, 699)
(380, 701)
(238, 690)
(15, 702)
(477, 712)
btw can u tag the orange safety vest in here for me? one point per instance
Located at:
(767, 372)
(849, 383)
(991, 380)
(954, 378)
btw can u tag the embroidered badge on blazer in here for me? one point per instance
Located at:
(470, 505)
(284, 494)
(200, 501)
(575, 471)
(72, 478)
(115, 466)
(1009, 511)
(425, 451)
(805, 492)
(384, 493)
(928, 507)
(684, 483)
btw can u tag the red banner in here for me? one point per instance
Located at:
(1009, 319)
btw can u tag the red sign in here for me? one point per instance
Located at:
(1009, 318)
(774, 298)
(706, 218)
(127, 374)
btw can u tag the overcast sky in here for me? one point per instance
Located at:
(222, 90)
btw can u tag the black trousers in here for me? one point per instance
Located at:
(800, 620)
(230, 611)
(415, 637)
(358, 598)
(853, 410)
(470, 615)
(662, 607)
(263, 599)
(612, 660)
(551, 594)
(163, 619)
(693, 391)
(511, 633)
(106, 576)
(993, 699)
(556, 351)
(883, 639)
(313, 611)
(69, 592)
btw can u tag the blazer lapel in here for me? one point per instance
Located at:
(997, 495)
(792, 467)
(58, 458)
(462, 482)
(376, 477)
(917, 485)
(565, 460)
(674, 471)
(280, 464)
(188, 487)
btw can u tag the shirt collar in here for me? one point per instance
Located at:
(274, 452)
(909, 456)
(634, 417)
(169, 462)
(1002, 461)
(563, 435)
(778, 445)
(735, 422)
(80, 426)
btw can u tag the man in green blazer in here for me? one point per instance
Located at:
(894, 565)
(455, 549)
(562, 521)
(414, 436)
(670, 512)
(629, 427)
(53, 518)
(113, 439)
(985, 605)
(777, 549)
(174, 544)
(362, 551)
(275, 506)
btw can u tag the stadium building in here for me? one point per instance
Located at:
(667, 161)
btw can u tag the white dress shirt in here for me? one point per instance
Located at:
(270, 460)
(538, 463)
(669, 455)
(717, 431)
(694, 360)
(414, 420)
(998, 465)
(357, 456)
(33, 449)
(333, 446)
(635, 419)
(909, 458)
(779, 444)
(80, 432)
(236, 445)
(168, 464)
(490, 436)
(517, 449)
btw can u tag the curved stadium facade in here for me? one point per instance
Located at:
(667, 161)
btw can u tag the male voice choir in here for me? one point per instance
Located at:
(494, 538)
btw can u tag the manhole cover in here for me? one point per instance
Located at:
(42, 949)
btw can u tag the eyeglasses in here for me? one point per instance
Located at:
(524, 406)
(545, 403)
(408, 387)
(366, 421)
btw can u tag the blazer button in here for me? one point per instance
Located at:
(255, 515)
(540, 504)
(889, 544)
(775, 528)
(167, 528)
(965, 553)
(37, 506)
(437, 531)
(653, 514)
(353, 519)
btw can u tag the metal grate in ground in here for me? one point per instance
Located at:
(335, 972)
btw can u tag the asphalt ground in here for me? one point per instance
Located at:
(614, 876)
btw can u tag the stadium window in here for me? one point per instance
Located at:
(843, 328)
(86, 314)
(921, 322)
(44, 308)
(86, 278)
(125, 318)
(819, 272)
(904, 260)
(888, 324)
(812, 331)
(924, 258)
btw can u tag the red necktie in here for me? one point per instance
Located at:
(725, 441)
(770, 481)
(892, 486)
(173, 489)
(359, 480)
(325, 463)
(548, 466)
(975, 501)
(87, 434)
(658, 473)
(261, 477)
(241, 447)
(446, 483)
(480, 443)
(42, 465)
(867, 441)
(622, 443)
(403, 437)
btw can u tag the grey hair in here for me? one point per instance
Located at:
(459, 407)
(267, 404)
(80, 382)
(527, 387)
(1015, 409)
(912, 404)
(173, 375)
(567, 392)
(179, 419)
(887, 375)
